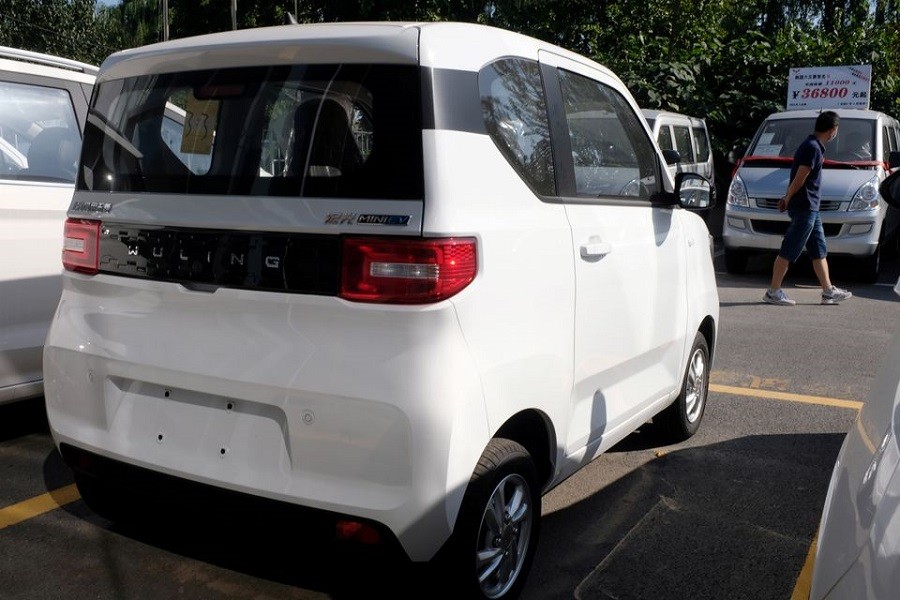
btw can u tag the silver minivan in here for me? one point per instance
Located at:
(857, 222)
(685, 135)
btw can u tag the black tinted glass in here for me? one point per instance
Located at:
(349, 131)
(515, 113)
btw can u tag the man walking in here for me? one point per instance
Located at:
(802, 204)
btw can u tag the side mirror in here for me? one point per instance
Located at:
(673, 157)
(736, 154)
(890, 188)
(694, 191)
(894, 159)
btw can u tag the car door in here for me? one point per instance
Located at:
(630, 307)
(40, 137)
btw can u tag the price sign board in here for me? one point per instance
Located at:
(829, 87)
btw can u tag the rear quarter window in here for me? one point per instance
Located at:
(515, 114)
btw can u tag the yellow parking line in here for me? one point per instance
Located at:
(28, 509)
(804, 581)
(787, 396)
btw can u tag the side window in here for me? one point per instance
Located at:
(702, 143)
(515, 113)
(664, 138)
(683, 143)
(39, 135)
(612, 154)
(889, 142)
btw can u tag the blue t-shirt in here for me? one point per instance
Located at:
(811, 153)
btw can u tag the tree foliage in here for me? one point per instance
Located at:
(725, 60)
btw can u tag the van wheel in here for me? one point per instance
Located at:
(682, 418)
(869, 266)
(735, 261)
(497, 530)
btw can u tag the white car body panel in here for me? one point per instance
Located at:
(858, 548)
(31, 226)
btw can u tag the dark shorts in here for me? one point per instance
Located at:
(805, 230)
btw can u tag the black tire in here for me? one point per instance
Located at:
(682, 418)
(735, 261)
(505, 473)
(870, 266)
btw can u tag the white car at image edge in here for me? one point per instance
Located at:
(858, 547)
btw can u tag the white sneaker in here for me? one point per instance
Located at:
(835, 295)
(778, 297)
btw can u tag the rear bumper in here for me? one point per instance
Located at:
(263, 394)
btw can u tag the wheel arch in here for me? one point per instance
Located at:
(533, 430)
(708, 329)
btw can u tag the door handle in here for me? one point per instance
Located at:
(595, 249)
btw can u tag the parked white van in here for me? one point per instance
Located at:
(857, 221)
(425, 273)
(43, 106)
(685, 135)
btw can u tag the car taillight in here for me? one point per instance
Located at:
(81, 246)
(406, 271)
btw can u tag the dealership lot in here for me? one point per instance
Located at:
(731, 513)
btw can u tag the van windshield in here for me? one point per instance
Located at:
(349, 131)
(855, 141)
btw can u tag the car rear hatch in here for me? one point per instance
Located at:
(245, 164)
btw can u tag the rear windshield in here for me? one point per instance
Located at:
(855, 140)
(349, 131)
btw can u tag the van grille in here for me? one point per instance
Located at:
(772, 203)
(780, 227)
(280, 262)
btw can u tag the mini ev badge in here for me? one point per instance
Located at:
(353, 218)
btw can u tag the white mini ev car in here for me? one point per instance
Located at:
(409, 276)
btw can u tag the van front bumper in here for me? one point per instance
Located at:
(846, 233)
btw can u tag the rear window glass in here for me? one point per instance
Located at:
(39, 136)
(349, 131)
(855, 140)
(702, 144)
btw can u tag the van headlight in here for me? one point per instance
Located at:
(866, 197)
(737, 193)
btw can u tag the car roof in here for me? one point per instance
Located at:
(656, 114)
(35, 63)
(844, 113)
(449, 45)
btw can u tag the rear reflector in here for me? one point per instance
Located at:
(406, 271)
(81, 243)
(355, 531)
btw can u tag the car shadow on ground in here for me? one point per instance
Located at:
(21, 418)
(732, 519)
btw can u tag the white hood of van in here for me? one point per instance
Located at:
(837, 184)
